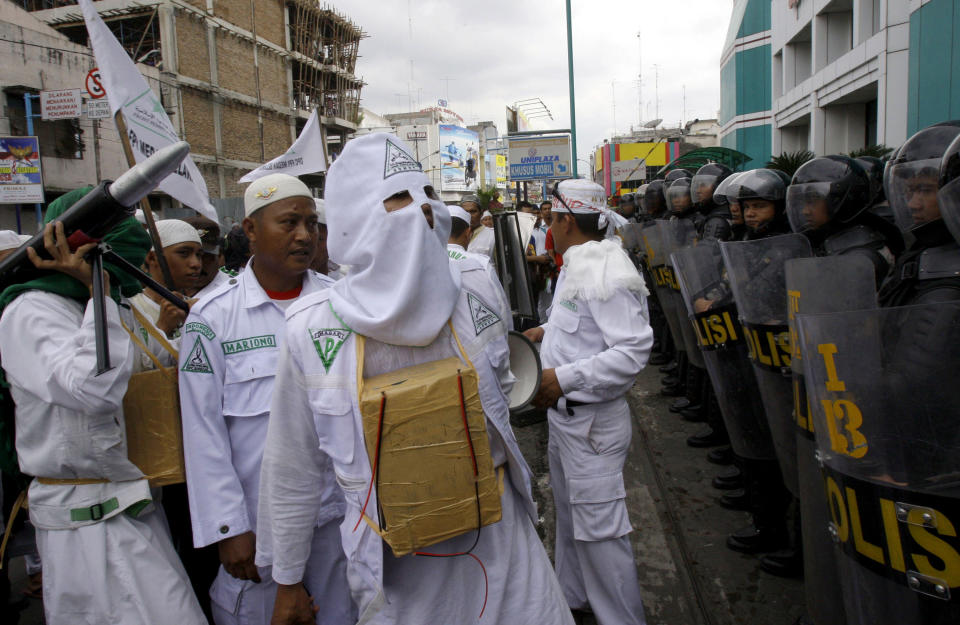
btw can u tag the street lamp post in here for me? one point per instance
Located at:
(573, 110)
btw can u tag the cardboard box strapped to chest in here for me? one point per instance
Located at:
(151, 412)
(427, 487)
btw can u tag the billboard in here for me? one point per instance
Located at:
(459, 154)
(540, 158)
(21, 181)
(633, 169)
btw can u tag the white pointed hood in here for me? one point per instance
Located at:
(399, 289)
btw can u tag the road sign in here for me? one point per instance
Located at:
(60, 104)
(98, 109)
(93, 85)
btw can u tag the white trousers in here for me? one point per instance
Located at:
(242, 602)
(593, 556)
(121, 570)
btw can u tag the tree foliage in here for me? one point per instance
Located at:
(790, 162)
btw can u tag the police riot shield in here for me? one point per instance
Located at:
(631, 235)
(756, 272)
(885, 403)
(710, 307)
(663, 279)
(818, 285)
(678, 234)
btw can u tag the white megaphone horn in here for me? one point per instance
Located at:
(526, 368)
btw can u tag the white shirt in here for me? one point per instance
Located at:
(69, 420)
(539, 237)
(231, 341)
(316, 392)
(483, 242)
(478, 274)
(597, 346)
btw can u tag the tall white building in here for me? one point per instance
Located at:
(840, 70)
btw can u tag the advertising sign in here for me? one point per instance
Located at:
(539, 158)
(459, 154)
(633, 169)
(60, 104)
(21, 181)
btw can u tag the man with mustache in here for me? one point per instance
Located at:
(227, 362)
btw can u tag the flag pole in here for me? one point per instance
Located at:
(144, 203)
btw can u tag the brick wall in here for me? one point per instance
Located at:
(276, 134)
(198, 121)
(241, 133)
(234, 11)
(269, 15)
(235, 64)
(273, 78)
(192, 49)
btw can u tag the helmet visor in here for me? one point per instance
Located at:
(912, 192)
(702, 187)
(949, 199)
(809, 206)
(678, 197)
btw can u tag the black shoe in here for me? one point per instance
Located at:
(669, 367)
(694, 414)
(731, 479)
(708, 437)
(671, 391)
(783, 563)
(735, 500)
(671, 380)
(679, 404)
(720, 455)
(751, 539)
(659, 359)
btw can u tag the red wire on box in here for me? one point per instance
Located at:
(376, 460)
(473, 458)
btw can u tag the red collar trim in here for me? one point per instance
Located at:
(281, 295)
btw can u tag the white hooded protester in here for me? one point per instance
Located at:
(400, 306)
(596, 340)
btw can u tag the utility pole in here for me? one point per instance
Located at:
(573, 110)
(639, 81)
(656, 90)
(613, 101)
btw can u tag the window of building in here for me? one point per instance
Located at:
(62, 138)
(870, 116)
(834, 32)
(139, 34)
(869, 12)
(797, 59)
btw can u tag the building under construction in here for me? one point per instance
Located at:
(238, 78)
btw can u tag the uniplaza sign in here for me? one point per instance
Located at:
(539, 158)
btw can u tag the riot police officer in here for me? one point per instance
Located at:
(715, 213)
(928, 270)
(827, 202)
(761, 194)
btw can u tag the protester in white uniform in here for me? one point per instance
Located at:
(596, 340)
(468, 264)
(482, 238)
(182, 250)
(107, 554)
(227, 364)
(212, 273)
(321, 262)
(400, 294)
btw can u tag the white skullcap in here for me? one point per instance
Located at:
(10, 240)
(459, 213)
(321, 211)
(486, 214)
(270, 189)
(174, 231)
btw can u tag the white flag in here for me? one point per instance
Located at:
(148, 126)
(305, 156)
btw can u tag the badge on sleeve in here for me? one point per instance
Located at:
(481, 314)
(327, 342)
(198, 362)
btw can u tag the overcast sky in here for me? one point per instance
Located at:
(496, 52)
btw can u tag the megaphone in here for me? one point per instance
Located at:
(526, 368)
